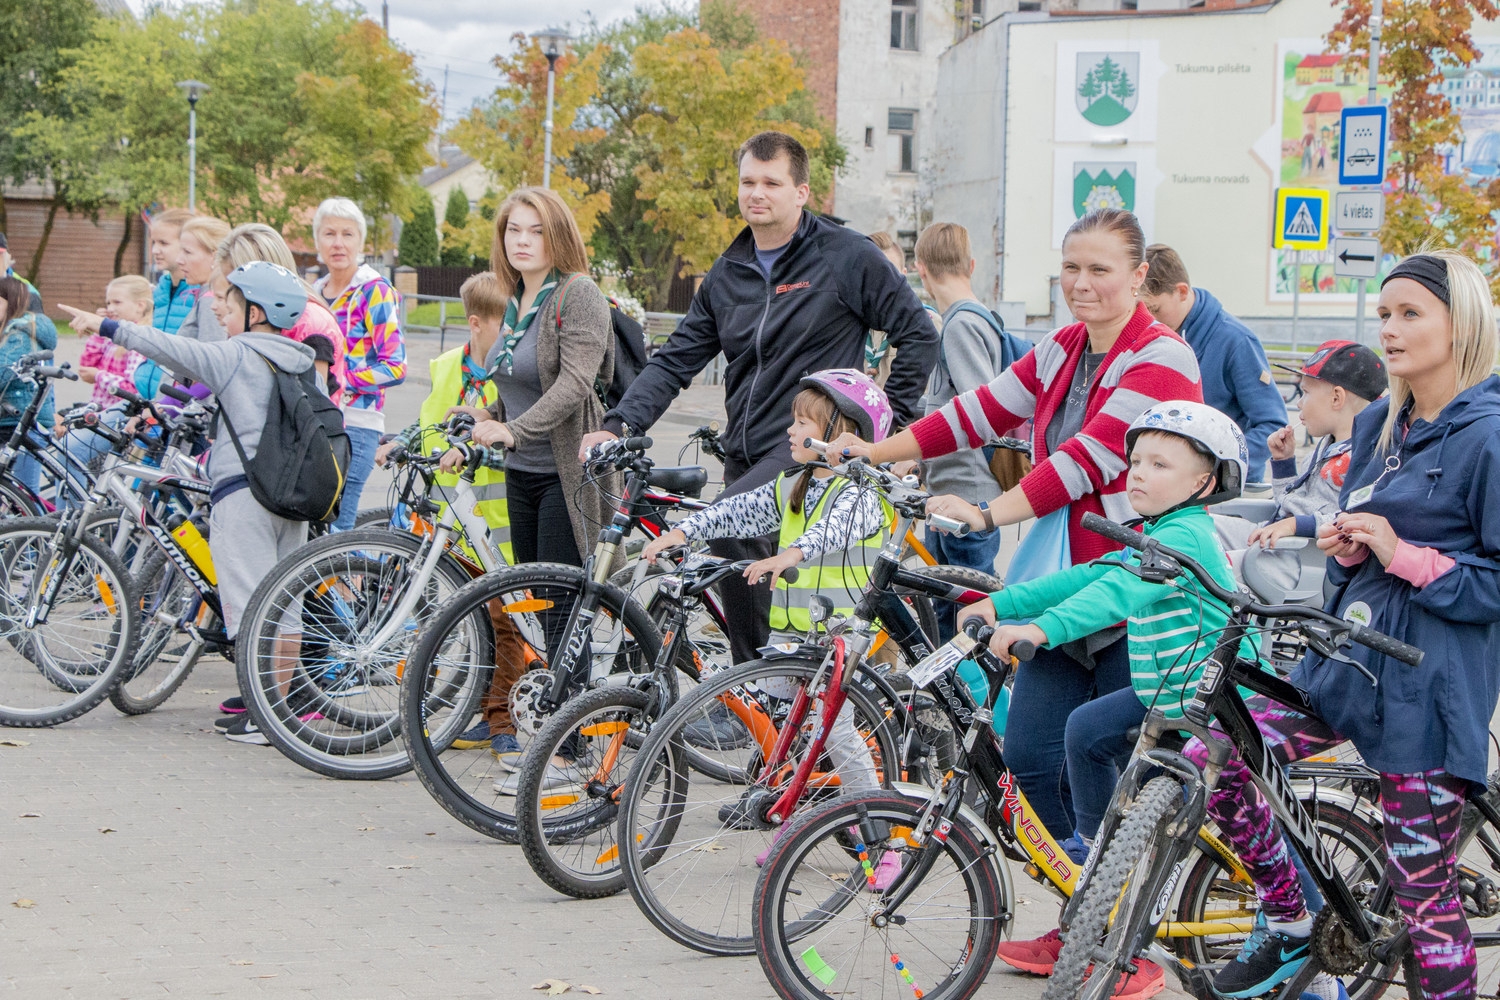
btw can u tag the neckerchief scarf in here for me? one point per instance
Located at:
(474, 379)
(513, 329)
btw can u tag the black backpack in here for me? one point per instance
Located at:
(630, 350)
(299, 467)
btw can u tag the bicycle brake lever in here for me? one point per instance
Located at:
(1327, 647)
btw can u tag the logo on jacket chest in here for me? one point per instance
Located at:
(783, 289)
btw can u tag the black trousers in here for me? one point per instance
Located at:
(747, 609)
(540, 528)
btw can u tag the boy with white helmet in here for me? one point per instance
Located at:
(1183, 456)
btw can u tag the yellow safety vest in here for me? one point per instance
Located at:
(489, 484)
(838, 574)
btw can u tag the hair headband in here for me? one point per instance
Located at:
(1426, 270)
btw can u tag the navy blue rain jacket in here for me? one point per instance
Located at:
(1236, 376)
(1445, 495)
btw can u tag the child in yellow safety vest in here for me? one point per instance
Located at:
(824, 524)
(460, 379)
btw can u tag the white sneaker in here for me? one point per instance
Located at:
(556, 779)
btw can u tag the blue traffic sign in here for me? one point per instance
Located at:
(1362, 133)
(1301, 219)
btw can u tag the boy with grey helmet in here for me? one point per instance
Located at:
(278, 293)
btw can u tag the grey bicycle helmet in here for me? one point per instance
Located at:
(280, 294)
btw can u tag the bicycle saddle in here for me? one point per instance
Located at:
(687, 480)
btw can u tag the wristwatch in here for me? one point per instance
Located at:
(989, 518)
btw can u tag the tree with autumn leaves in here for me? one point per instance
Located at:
(1424, 205)
(649, 114)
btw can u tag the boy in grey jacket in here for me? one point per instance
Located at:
(246, 540)
(1339, 380)
(969, 356)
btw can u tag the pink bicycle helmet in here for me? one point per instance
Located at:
(857, 397)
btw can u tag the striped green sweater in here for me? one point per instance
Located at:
(1172, 627)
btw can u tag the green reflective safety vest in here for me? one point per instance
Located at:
(489, 484)
(838, 574)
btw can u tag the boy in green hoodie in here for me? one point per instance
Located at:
(1183, 456)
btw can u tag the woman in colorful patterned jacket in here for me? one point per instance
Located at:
(368, 310)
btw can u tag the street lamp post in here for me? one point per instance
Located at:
(194, 89)
(552, 41)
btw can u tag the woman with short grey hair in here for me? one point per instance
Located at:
(368, 310)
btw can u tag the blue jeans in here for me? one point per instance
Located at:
(1097, 749)
(1047, 691)
(362, 444)
(977, 550)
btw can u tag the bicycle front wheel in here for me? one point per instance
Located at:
(62, 667)
(159, 665)
(691, 838)
(820, 928)
(1116, 905)
(322, 650)
(504, 626)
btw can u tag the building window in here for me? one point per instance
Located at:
(970, 17)
(904, 24)
(869, 138)
(901, 127)
(1029, 5)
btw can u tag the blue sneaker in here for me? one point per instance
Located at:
(507, 750)
(1075, 848)
(1267, 959)
(474, 737)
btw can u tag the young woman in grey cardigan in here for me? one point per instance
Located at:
(555, 340)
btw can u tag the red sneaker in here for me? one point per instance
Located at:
(1147, 982)
(1037, 956)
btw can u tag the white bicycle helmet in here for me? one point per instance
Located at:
(1210, 432)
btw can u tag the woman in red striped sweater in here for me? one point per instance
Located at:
(1082, 386)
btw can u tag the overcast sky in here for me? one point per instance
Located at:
(464, 35)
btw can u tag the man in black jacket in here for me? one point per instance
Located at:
(793, 294)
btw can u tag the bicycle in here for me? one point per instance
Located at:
(818, 921)
(570, 778)
(63, 475)
(562, 628)
(686, 842)
(1137, 855)
(325, 637)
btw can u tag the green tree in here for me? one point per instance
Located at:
(1123, 88)
(38, 42)
(455, 221)
(1088, 89)
(706, 102)
(1424, 205)
(419, 237)
(1106, 72)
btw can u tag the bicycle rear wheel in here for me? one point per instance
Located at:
(451, 678)
(691, 843)
(569, 785)
(319, 686)
(159, 665)
(65, 666)
(1116, 905)
(815, 909)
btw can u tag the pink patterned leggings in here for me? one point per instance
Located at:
(1421, 816)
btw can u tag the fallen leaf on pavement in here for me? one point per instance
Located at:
(398, 868)
(15, 743)
(24, 903)
(710, 847)
(553, 987)
(108, 829)
(31, 815)
(593, 990)
(365, 829)
(207, 691)
(240, 961)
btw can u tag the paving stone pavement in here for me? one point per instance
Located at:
(165, 861)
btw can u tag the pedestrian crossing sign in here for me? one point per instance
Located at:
(1301, 219)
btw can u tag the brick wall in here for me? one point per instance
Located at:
(80, 257)
(811, 28)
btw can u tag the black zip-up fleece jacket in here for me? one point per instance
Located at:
(828, 289)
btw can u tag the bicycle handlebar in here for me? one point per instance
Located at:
(1021, 649)
(173, 392)
(1368, 637)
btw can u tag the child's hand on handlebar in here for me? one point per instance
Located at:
(1007, 635)
(472, 411)
(958, 509)
(590, 440)
(383, 451)
(662, 542)
(452, 460)
(774, 566)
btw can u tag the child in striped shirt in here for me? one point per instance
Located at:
(1183, 456)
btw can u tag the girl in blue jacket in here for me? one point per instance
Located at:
(1415, 553)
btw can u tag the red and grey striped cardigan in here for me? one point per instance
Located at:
(1148, 364)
